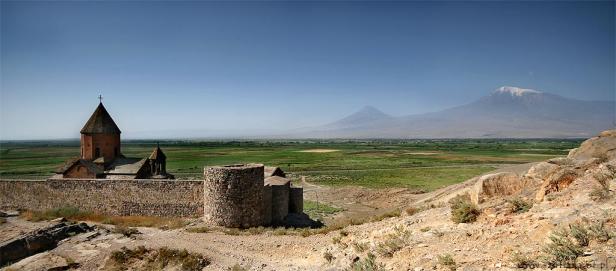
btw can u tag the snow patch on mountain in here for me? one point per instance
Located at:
(515, 91)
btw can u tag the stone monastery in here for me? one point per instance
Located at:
(101, 155)
(105, 181)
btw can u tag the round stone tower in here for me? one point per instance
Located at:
(233, 195)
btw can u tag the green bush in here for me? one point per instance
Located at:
(367, 264)
(598, 232)
(561, 251)
(393, 242)
(580, 234)
(519, 205)
(463, 210)
(447, 261)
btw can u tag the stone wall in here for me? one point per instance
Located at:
(296, 200)
(233, 195)
(279, 203)
(111, 197)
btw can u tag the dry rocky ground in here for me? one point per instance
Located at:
(554, 214)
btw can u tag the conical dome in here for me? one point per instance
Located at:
(100, 123)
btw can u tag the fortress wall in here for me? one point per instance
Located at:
(233, 195)
(296, 200)
(267, 205)
(280, 203)
(112, 197)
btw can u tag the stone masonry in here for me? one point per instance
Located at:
(111, 197)
(233, 195)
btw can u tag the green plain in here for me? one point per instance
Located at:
(418, 164)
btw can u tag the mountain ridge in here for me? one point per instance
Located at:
(507, 112)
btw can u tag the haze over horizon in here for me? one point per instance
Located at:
(217, 67)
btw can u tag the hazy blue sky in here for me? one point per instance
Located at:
(245, 66)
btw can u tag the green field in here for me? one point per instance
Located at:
(418, 164)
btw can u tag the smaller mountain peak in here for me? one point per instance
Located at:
(515, 91)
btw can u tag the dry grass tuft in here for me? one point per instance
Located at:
(198, 229)
(74, 214)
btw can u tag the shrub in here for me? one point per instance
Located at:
(411, 211)
(360, 246)
(519, 205)
(2, 220)
(598, 232)
(256, 230)
(198, 229)
(126, 231)
(328, 256)
(463, 211)
(561, 251)
(282, 231)
(394, 213)
(523, 261)
(393, 243)
(425, 229)
(447, 261)
(580, 234)
(367, 264)
(123, 255)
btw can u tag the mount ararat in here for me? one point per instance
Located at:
(508, 112)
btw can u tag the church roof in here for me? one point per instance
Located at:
(126, 166)
(157, 154)
(91, 166)
(100, 123)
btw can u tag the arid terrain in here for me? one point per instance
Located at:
(556, 213)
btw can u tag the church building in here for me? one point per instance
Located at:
(101, 154)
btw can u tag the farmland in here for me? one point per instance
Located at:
(418, 164)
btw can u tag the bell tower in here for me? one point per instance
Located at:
(100, 137)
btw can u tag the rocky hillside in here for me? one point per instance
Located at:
(558, 213)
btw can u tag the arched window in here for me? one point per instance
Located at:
(97, 152)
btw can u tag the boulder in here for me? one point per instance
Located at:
(542, 171)
(602, 146)
(495, 185)
(38, 241)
